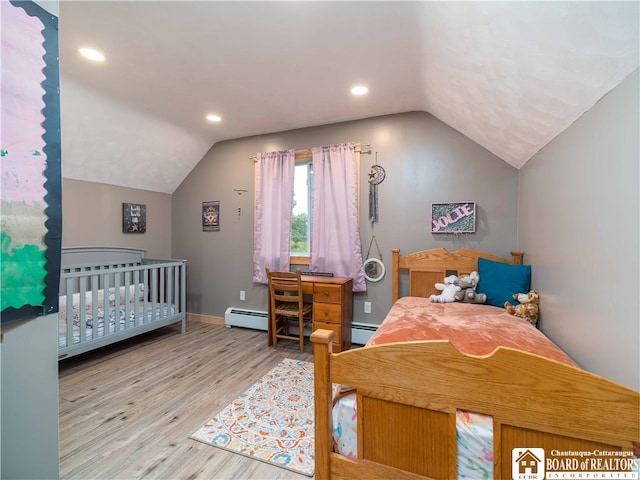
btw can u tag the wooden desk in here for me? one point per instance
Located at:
(332, 307)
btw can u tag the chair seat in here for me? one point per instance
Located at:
(291, 309)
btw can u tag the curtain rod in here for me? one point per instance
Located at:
(306, 153)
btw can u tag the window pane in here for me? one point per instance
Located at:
(300, 225)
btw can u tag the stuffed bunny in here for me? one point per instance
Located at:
(449, 289)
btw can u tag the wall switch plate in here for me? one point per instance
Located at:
(367, 307)
(242, 295)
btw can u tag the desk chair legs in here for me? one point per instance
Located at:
(286, 306)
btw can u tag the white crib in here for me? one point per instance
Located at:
(108, 294)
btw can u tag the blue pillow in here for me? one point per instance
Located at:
(499, 281)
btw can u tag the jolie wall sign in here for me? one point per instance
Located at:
(456, 217)
(134, 218)
(211, 216)
(30, 191)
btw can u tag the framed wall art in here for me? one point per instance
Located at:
(454, 217)
(134, 218)
(211, 216)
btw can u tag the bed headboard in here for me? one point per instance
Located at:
(83, 256)
(428, 267)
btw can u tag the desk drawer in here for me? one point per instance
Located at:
(337, 328)
(327, 293)
(327, 312)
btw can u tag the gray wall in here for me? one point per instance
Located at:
(29, 399)
(425, 161)
(578, 224)
(92, 215)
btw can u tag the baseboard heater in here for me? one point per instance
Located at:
(361, 332)
(257, 320)
(237, 317)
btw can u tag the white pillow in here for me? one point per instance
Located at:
(88, 298)
(133, 292)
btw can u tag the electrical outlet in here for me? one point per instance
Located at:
(242, 295)
(367, 307)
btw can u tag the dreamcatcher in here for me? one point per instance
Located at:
(376, 176)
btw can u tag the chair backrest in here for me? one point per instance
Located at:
(285, 287)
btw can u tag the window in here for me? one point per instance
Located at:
(301, 219)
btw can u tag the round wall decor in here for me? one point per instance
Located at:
(373, 269)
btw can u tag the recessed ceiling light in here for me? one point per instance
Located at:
(213, 118)
(92, 54)
(359, 90)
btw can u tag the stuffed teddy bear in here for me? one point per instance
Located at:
(449, 288)
(528, 308)
(468, 294)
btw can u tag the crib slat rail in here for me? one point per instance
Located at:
(116, 298)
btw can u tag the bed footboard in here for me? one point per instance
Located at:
(408, 394)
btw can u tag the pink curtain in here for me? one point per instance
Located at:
(335, 240)
(274, 204)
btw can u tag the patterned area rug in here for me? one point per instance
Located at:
(272, 421)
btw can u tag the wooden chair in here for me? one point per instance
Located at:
(287, 307)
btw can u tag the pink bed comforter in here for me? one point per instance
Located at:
(471, 328)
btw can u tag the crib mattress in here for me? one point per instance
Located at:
(135, 318)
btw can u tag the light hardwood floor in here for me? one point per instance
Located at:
(126, 411)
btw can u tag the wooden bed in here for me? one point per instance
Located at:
(108, 294)
(408, 394)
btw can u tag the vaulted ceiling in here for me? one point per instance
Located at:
(509, 75)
